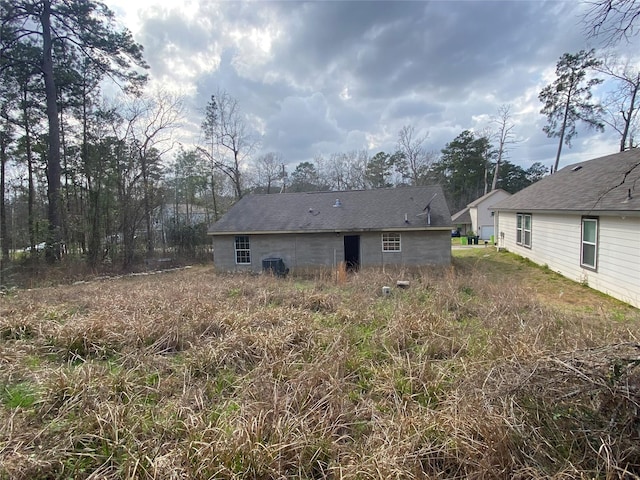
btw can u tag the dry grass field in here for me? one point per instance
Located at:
(493, 368)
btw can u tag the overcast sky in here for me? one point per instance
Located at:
(333, 76)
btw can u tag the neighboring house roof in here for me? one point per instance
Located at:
(462, 217)
(487, 196)
(358, 210)
(600, 185)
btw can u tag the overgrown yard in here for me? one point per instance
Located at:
(493, 368)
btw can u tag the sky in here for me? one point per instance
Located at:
(324, 77)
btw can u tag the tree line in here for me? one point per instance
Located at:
(103, 176)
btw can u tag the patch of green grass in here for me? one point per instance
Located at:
(33, 361)
(224, 382)
(21, 331)
(234, 293)
(19, 395)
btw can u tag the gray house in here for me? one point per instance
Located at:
(396, 226)
(583, 222)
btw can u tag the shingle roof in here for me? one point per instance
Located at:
(487, 196)
(592, 186)
(462, 217)
(360, 210)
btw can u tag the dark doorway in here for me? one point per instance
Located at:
(352, 251)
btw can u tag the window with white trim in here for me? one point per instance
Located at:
(523, 229)
(243, 252)
(391, 242)
(589, 250)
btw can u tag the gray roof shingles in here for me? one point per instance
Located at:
(462, 217)
(597, 185)
(360, 210)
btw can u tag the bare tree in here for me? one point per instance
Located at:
(269, 169)
(344, 171)
(157, 118)
(415, 159)
(144, 128)
(621, 104)
(504, 136)
(612, 20)
(227, 130)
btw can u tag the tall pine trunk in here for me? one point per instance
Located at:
(31, 195)
(4, 231)
(53, 155)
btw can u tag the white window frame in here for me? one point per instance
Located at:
(523, 234)
(391, 242)
(593, 243)
(242, 247)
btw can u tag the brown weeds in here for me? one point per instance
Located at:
(468, 373)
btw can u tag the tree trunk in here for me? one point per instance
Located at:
(94, 182)
(53, 155)
(562, 129)
(213, 195)
(147, 205)
(4, 232)
(628, 116)
(494, 182)
(67, 230)
(237, 175)
(30, 181)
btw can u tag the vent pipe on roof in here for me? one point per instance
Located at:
(338, 203)
(406, 218)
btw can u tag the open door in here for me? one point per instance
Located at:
(352, 252)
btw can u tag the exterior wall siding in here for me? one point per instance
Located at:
(556, 242)
(327, 249)
(483, 220)
(473, 213)
(618, 259)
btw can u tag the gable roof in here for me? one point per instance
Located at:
(598, 185)
(462, 217)
(359, 210)
(487, 196)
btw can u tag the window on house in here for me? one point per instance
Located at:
(243, 252)
(589, 251)
(390, 242)
(523, 229)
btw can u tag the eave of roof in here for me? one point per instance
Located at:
(463, 216)
(605, 184)
(305, 232)
(482, 199)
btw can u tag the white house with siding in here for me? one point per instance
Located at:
(583, 222)
(478, 215)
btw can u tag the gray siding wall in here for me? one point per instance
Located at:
(327, 249)
(417, 248)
